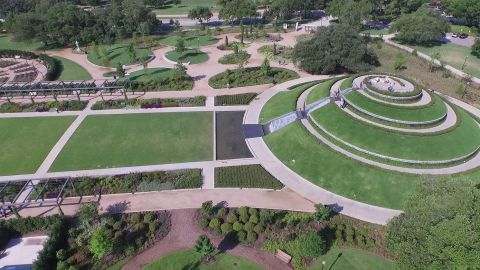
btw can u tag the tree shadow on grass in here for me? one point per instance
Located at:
(192, 266)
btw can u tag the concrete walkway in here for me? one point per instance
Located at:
(424, 100)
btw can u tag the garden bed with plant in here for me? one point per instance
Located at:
(251, 76)
(197, 101)
(177, 82)
(64, 105)
(234, 58)
(239, 99)
(276, 52)
(304, 236)
(191, 56)
(247, 176)
(118, 54)
(231, 46)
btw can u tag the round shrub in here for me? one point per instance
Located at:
(360, 241)
(243, 211)
(152, 227)
(237, 226)
(140, 227)
(61, 254)
(148, 217)
(221, 212)
(242, 236)
(135, 218)
(117, 225)
(253, 219)
(248, 226)
(232, 217)
(253, 211)
(61, 265)
(217, 231)
(311, 245)
(251, 237)
(349, 239)
(370, 243)
(266, 217)
(350, 231)
(226, 228)
(203, 222)
(214, 223)
(258, 228)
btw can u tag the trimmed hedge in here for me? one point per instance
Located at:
(150, 103)
(53, 69)
(251, 76)
(240, 99)
(248, 176)
(70, 105)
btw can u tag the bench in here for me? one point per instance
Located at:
(284, 257)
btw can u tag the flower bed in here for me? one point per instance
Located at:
(248, 176)
(239, 99)
(73, 105)
(150, 103)
(251, 76)
(233, 58)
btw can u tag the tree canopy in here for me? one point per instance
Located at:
(334, 49)
(440, 227)
(351, 12)
(476, 48)
(465, 11)
(200, 13)
(237, 9)
(424, 26)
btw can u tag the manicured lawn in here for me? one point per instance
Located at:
(185, 6)
(347, 83)
(283, 102)
(350, 259)
(251, 76)
(189, 259)
(435, 111)
(72, 71)
(320, 91)
(462, 140)
(248, 176)
(25, 142)
(105, 141)
(7, 43)
(463, 29)
(150, 74)
(193, 56)
(454, 55)
(117, 53)
(190, 42)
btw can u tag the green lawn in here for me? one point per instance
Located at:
(193, 56)
(463, 29)
(6, 43)
(150, 74)
(460, 141)
(435, 111)
(320, 91)
(283, 102)
(105, 141)
(351, 259)
(189, 259)
(454, 55)
(190, 42)
(185, 6)
(117, 53)
(72, 71)
(347, 83)
(25, 142)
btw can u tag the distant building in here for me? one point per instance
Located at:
(323, 22)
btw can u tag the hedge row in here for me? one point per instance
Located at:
(240, 99)
(53, 68)
(73, 105)
(150, 103)
(248, 176)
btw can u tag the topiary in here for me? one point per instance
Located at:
(203, 222)
(251, 237)
(248, 226)
(253, 211)
(221, 212)
(217, 231)
(243, 211)
(232, 217)
(258, 228)
(214, 223)
(237, 226)
(226, 228)
(207, 208)
(253, 219)
(242, 236)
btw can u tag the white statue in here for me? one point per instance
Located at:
(77, 44)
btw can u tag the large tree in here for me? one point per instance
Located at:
(476, 48)
(237, 10)
(200, 13)
(465, 11)
(440, 228)
(334, 49)
(424, 26)
(352, 12)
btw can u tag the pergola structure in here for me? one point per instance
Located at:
(56, 88)
(33, 193)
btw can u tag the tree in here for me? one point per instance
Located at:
(465, 11)
(204, 247)
(200, 13)
(322, 213)
(88, 213)
(351, 12)
(424, 26)
(120, 71)
(476, 48)
(237, 9)
(265, 67)
(180, 45)
(207, 207)
(311, 245)
(400, 61)
(241, 58)
(334, 49)
(155, 3)
(439, 228)
(132, 52)
(460, 90)
(100, 243)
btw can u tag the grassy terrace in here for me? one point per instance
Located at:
(105, 141)
(25, 142)
(190, 41)
(189, 259)
(351, 259)
(436, 110)
(72, 71)
(283, 102)
(320, 91)
(118, 53)
(461, 141)
(193, 56)
(347, 83)
(149, 74)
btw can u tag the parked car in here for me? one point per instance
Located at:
(463, 36)
(454, 35)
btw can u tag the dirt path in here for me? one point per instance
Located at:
(184, 233)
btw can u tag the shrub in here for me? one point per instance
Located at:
(266, 217)
(207, 208)
(248, 226)
(349, 231)
(251, 236)
(221, 212)
(311, 245)
(370, 243)
(135, 218)
(226, 228)
(61, 255)
(258, 228)
(232, 217)
(203, 222)
(250, 76)
(239, 99)
(294, 218)
(214, 223)
(148, 217)
(349, 239)
(253, 219)
(322, 213)
(237, 226)
(243, 211)
(360, 239)
(100, 243)
(46, 259)
(242, 236)
(253, 211)
(217, 231)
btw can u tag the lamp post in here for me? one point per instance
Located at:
(323, 264)
(198, 43)
(464, 62)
